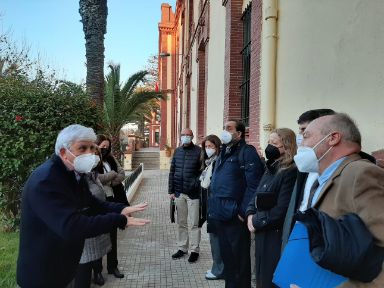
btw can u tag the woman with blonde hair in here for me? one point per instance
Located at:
(266, 212)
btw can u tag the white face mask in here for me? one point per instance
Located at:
(226, 137)
(299, 139)
(97, 160)
(306, 159)
(210, 152)
(186, 139)
(84, 163)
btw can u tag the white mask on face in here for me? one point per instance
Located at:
(210, 151)
(97, 160)
(84, 163)
(299, 139)
(226, 137)
(186, 139)
(306, 159)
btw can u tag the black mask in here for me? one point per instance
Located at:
(272, 152)
(105, 152)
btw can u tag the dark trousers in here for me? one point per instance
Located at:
(84, 273)
(234, 240)
(112, 255)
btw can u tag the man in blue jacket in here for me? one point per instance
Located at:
(58, 212)
(234, 181)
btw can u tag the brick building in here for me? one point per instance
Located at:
(206, 54)
(266, 62)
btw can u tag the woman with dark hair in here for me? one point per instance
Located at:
(111, 176)
(266, 211)
(210, 150)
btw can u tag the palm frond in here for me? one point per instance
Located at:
(131, 84)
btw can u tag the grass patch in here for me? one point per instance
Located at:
(9, 246)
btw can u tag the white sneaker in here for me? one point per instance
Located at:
(210, 276)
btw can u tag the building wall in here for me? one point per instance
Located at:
(233, 61)
(254, 97)
(194, 75)
(215, 77)
(331, 55)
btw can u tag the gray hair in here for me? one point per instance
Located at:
(71, 134)
(344, 124)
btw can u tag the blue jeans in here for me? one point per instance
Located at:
(217, 265)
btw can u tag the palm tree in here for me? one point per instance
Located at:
(125, 103)
(94, 18)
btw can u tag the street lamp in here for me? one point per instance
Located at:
(164, 54)
(167, 54)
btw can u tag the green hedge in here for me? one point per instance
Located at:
(31, 115)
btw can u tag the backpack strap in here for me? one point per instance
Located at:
(241, 157)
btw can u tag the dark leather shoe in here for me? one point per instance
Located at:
(193, 257)
(98, 279)
(178, 254)
(116, 272)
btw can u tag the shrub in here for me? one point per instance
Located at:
(31, 115)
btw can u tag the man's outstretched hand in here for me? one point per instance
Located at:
(135, 208)
(132, 221)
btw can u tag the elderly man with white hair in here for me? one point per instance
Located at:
(58, 213)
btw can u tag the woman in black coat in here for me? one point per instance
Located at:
(267, 210)
(111, 175)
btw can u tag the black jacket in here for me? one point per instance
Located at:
(56, 218)
(185, 171)
(234, 181)
(277, 183)
(344, 246)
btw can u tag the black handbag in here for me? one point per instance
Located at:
(172, 210)
(119, 195)
(344, 245)
(265, 200)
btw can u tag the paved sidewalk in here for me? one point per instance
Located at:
(145, 253)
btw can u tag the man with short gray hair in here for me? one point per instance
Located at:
(347, 183)
(58, 212)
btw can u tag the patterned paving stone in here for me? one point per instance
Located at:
(145, 253)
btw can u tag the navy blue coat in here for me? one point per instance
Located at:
(56, 216)
(185, 171)
(234, 182)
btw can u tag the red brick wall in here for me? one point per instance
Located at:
(254, 99)
(233, 60)
(201, 98)
(166, 28)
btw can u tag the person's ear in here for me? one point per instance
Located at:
(335, 138)
(63, 153)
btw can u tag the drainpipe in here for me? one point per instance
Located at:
(268, 70)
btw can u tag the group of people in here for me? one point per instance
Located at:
(226, 183)
(72, 206)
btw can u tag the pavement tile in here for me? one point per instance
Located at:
(144, 253)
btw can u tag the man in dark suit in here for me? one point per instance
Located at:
(58, 213)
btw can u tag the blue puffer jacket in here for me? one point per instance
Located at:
(185, 171)
(234, 181)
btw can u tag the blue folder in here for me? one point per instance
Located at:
(297, 267)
